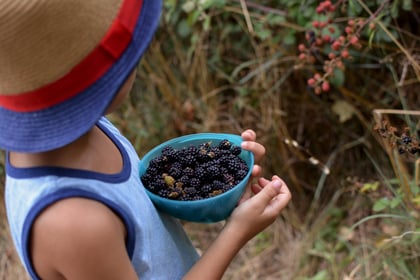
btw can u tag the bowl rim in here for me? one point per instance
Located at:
(220, 136)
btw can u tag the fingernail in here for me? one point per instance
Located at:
(276, 185)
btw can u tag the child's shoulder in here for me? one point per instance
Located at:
(74, 230)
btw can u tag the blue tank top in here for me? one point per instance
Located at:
(156, 243)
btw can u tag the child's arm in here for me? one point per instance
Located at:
(253, 214)
(247, 220)
(80, 239)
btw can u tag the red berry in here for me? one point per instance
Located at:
(327, 3)
(345, 54)
(315, 24)
(331, 55)
(336, 45)
(319, 9)
(319, 41)
(318, 90)
(325, 86)
(301, 47)
(302, 56)
(348, 30)
(354, 40)
(311, 82)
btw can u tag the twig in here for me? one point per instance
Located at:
(414, 63)
(263, 8)
(247, 17)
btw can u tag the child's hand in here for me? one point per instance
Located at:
(256, 213)
(249, 143)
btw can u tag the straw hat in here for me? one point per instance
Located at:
(62, 62)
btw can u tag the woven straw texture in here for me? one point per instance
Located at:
(41, 40)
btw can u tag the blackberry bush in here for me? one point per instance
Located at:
(195, 172)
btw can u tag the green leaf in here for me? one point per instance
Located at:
(369, 187)
(275, 19)
(289, 38)
(338, 77)
(354, 8)
(407, 5)
(193, 17)
(380, 204)
(395, 202)
(321, 275)
(394, 9)
(183, 28)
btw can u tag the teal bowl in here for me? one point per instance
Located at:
(207, 210)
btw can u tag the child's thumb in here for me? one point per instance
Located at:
(270, 191)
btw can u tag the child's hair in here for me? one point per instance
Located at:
(61, 63)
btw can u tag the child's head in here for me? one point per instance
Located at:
(62, 62)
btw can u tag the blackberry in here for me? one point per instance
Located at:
(169, 152)
(234, 164)
(240, 174)
(225, 144)
(190, 191)
(406, 140)
(195, 183)
(217, 185)
(188, 160)
(414, 150)
(163, 192)
(204, 146)
(202, 155)
(175, 170)
(195, 172)
(236, 150)
(215, 152)
(227, 188)
(206, 189)
(154, 170)
(147, 178)
(184, 180)
(200, 172)
(188, 171)
(190, 151)
(213, 171)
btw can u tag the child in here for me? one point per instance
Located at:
(75, 203)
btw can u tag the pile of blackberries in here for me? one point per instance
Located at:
(195, 172)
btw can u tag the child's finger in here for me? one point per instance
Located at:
(256, 171)
(249, 135)
(280, 201)
(268, 192)
(256, 148)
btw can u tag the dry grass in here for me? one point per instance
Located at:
(10, 266)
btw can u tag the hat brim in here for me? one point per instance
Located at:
(62, 124)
